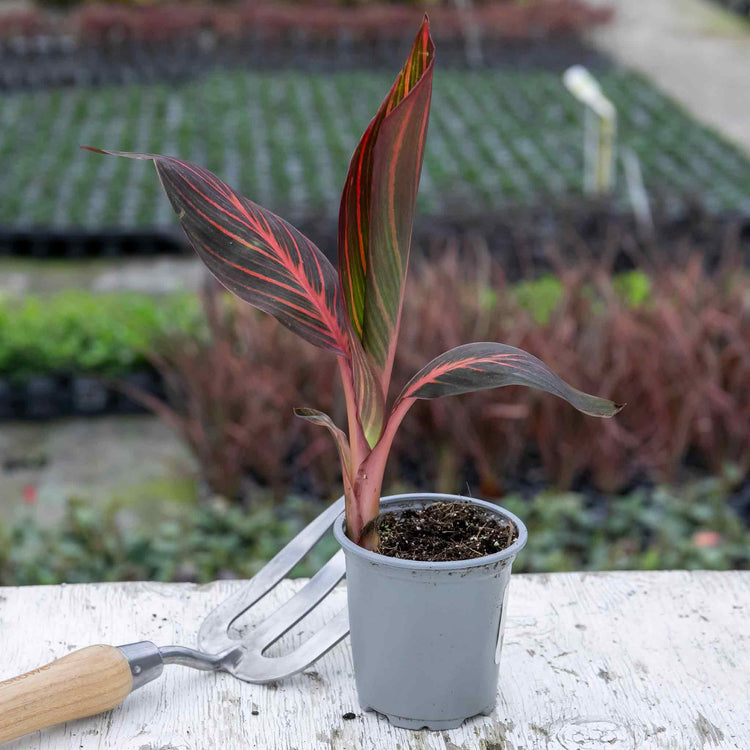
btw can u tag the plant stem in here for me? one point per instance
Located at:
(357, 441)
(368, 479)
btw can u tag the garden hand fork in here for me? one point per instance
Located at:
(98, 678)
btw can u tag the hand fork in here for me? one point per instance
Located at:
(98, 678)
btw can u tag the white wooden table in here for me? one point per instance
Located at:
(613, 661)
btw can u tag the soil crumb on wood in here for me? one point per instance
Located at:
(442, 532)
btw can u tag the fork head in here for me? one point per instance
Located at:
(242, 653)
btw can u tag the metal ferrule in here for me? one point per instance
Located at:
(145, 662)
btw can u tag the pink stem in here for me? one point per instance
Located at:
(368, 477)
(358, 443)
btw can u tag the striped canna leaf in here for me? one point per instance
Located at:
(342, 444)
(475, 367)
(323, 420)
(254, 253)
(367, 391)
(377, 208)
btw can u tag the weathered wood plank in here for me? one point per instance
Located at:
(591, 661)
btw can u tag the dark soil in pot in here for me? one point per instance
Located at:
(443, 531)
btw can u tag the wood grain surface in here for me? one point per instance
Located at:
(591, 661)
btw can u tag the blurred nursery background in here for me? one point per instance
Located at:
(585, 196)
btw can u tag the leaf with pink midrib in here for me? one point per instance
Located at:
(479, 366)
(255, 254)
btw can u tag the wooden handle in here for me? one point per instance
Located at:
(80, 684)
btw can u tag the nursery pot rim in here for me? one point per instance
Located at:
(511, 551)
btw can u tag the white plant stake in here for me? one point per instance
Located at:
(599, 133)
(637, 193)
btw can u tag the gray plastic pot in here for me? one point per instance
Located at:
(426, 636)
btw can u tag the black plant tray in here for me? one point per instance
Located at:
(516, 236)
(521, 238)
(26, 66)
(55, 395)
(742, 7)
(50, 243)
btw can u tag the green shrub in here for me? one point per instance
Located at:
(103, 334)
(633, 287)
(542, 297)
(539, 297)
(666, 527)
(187, 543)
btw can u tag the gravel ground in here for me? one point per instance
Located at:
(135, 458)
(693, 50)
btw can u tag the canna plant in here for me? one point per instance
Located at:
(355, 312)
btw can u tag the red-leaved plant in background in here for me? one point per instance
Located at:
(354, 313)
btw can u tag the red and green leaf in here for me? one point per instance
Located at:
(254, 253)
(322, 419)
(377, 208)
(342, 444)
(475, 367)
(370, 402)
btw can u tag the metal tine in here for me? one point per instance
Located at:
(256, 668)
(293, 610)
(214, 636)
